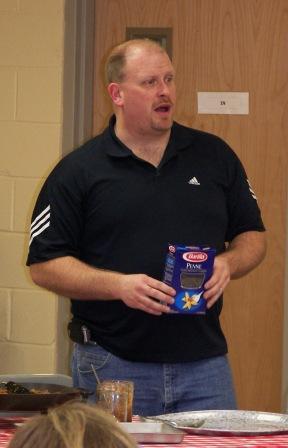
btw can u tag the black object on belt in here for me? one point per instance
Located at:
(79, 332)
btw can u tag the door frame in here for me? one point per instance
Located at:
(77, 121)
(78, 73)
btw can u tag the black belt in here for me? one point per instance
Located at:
(80, 333)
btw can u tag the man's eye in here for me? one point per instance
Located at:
(150, 82)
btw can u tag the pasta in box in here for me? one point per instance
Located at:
(187, 268)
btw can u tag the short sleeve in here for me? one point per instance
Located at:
(57, 219)
(243, 210)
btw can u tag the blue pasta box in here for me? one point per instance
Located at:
(187, 269)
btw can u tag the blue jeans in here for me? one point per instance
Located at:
(159, 388)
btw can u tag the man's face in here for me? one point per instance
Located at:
(148, 91)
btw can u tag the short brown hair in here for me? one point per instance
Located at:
(114, 67)
(72, 425)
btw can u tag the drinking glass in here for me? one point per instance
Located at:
(116, 397)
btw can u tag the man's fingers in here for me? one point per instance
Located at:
(159, 295)
(151, 306)
(160, 286)
(147, 294)
(214, 298)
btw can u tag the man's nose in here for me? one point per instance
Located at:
(163, 88)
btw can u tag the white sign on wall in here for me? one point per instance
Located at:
(223, 103)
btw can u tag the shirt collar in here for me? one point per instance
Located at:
(114, 146)
(181, 137)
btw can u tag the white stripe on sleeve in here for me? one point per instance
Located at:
(39, 231)
(47, 209)
(40, 223)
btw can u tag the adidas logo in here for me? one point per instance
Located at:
(193, 181)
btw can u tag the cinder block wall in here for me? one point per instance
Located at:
(31, 69)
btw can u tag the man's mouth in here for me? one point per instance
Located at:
(163, 108)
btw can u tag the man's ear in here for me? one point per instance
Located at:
(115, 93)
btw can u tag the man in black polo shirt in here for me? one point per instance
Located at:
(101, 228)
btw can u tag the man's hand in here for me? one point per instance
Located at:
(244, 253)
(219, 280)
(145, 293)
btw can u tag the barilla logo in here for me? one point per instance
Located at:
(195, 256)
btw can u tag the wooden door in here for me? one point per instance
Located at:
(230, 45)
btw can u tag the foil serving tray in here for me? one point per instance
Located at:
(153, 432)
(222, 422)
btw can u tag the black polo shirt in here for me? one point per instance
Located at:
(112, 210)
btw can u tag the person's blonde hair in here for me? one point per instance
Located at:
(115, 63)
(72, 425)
